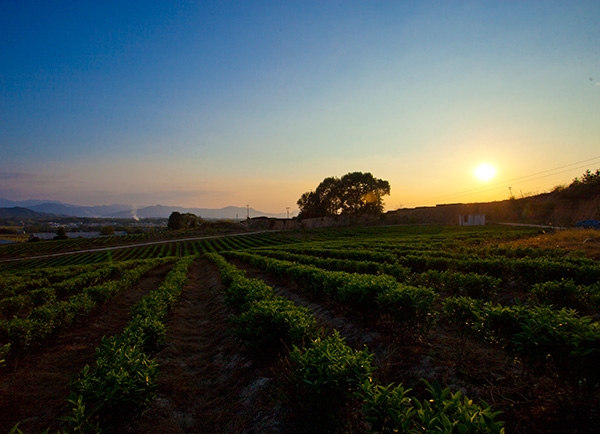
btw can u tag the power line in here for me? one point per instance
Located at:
(509, 183)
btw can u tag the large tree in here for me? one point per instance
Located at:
(354, 193)
(187, 220)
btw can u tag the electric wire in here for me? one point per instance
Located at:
(514, 181)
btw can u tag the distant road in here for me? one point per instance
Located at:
(127, 246)
(560, 228)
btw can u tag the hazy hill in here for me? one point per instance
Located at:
(19, 213)
(129, 211)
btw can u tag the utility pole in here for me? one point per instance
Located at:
(288, 212)
(248, 212)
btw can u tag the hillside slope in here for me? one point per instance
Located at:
(559, 208)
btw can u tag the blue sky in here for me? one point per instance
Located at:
(210, 104)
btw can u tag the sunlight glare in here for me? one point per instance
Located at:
(485, 172)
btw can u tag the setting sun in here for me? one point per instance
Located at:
(485, 172)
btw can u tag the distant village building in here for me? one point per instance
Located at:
(471, 220)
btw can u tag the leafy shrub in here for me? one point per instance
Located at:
(122, 379)
(271, 322)
(389, 409)
(4, 350)
(229, 272)
(460, 284)
(12, 306)
(565, 293)
(150, 330)
(502, 323)
(243, 291)
(408, 306)
(572, 342)
(464, 312)
(359, 291)
(16, 332)
(42, 296)
(537, 334)
(328, 367)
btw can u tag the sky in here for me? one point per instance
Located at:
(217, 103)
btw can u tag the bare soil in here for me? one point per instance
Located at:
(34, 386)
(208, 383)
(531, 401)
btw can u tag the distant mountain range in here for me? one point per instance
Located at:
(128, 211)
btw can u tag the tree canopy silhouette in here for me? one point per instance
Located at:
(187, 220)
(353, 194)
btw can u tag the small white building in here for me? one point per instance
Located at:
(471, 220)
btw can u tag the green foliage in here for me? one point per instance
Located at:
(107, 230)
(566, 293)
(244, 291)
(457, 283)
(273, 321)
(536, 334)
(464, 312)
(12, 306)
(329, 366)
(570, 341)
(408, 306)
(229, 272)
(80, 419)
(389, 409)
(354, 194)
(4, 350)
(121, 381)
(188, 220)
(358, 291)
(49, 315)
(61, 234)
(123, 378)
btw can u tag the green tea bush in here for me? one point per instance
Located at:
(464, 312)
(122, 380)
(330, 369)
(409, 306)
(389, 409)
(243, 291)
(228, 272)
(359, 291)
(272, 322)
(42, 296)
(566, 293)
(14, 305)
(539, 335)
(571, 341)
(460, 284)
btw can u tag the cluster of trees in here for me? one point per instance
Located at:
(588, 178)
(582, 187)
(61, 234)
(186, 220)
(353, 194)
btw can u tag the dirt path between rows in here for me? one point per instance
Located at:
(355, 335)
(33, 390)
(208, 383)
